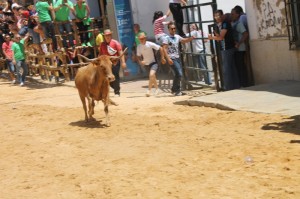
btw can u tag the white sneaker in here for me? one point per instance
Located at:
(22, 84)
(13, 81)
(156, 92)
(148, 93)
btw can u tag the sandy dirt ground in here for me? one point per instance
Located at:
(154, 149)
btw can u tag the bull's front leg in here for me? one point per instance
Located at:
(84, 107)
(91, 107)
(106, 115)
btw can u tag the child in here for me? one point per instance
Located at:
(159, 22)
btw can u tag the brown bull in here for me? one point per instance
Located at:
(92, 82)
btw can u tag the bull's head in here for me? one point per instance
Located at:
(103, 63)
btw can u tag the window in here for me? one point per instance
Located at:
(292, 8)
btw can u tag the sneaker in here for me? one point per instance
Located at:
(156, 92)
(22, 84)
(89, 44)
(148, 93)
(117, 94)
(83, 44)
(13, 81)
(179, 93)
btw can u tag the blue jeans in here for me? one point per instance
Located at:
(48, 30)
(229, 73)
(10, 65)
(22, 70)
(177, 69)
(66, 27)
(201, 63)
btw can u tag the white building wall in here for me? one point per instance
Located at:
(270, 55)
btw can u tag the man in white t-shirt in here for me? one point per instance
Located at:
(197, 47)
(146, 57)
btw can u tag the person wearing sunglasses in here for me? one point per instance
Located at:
(171, 48)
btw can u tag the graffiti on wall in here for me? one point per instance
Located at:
(271, 18)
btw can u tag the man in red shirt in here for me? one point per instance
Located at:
(112, 47)
(8, 54)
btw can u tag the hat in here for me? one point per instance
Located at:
(25, 14)
(107, 32)
(142, 35)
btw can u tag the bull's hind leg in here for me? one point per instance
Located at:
(84, 107)
(107, 115)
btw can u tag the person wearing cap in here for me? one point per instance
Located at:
(112, 47)
(62, 10)
(146, 57)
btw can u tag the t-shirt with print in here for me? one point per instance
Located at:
(173, 45)
(42, 9)
(18, 49)
(112, 48)
(63, 13)
(146, 50)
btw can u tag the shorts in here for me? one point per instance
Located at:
(153, 66)
(160, 38)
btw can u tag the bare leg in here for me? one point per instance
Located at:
(152, 80)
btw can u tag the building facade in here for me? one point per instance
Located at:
(275, 52)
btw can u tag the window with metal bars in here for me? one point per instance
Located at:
(292, 8)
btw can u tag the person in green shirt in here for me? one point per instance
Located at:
(44, 9)
(62, 11)
(137, 30)
(19, 58)
(82, 13)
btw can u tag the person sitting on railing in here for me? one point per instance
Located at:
(43, 8)
(32, 26)
(62, 11)
(82, 13)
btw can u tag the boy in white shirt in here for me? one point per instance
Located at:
(146, 57)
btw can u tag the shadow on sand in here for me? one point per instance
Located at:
(89, 124)
(291, 126)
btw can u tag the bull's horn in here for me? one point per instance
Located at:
(87, 59)
(118, 57)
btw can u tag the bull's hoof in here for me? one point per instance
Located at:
(92, 119)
